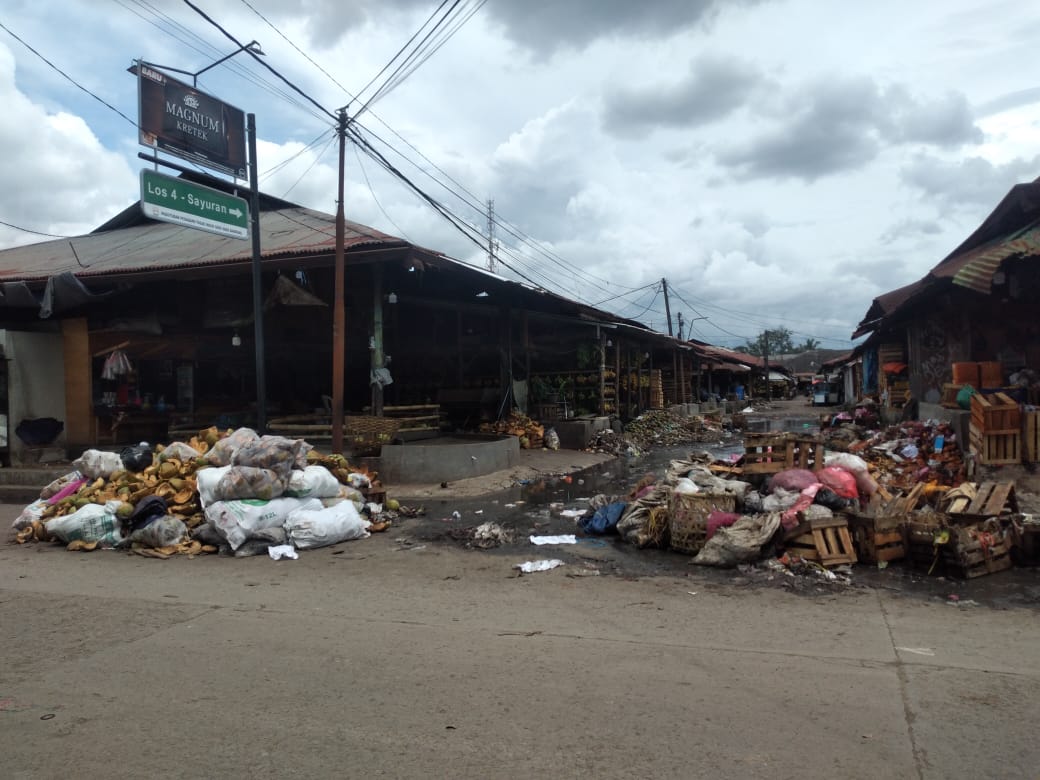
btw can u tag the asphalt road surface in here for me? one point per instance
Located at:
(381, 658)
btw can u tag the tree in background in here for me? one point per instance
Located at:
(779, 343)
(808, 345)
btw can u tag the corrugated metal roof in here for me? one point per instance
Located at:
(158, 246)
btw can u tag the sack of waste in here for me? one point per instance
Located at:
(324, 526)
(312, 482)
(277, 453)
(136, 458)
(163, 532)
(95, 463)
(740, 542)
(91, 523)
(220, 454)
(229, 483)
(237, 521)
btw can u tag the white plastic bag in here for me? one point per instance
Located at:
(312, 482)
(32, 512)
(95, 463)
(222, 452)
(206, 480)
(92, 523)
(318, 528)
(159, 533)
(237, 520)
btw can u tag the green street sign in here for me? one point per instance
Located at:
(182, 202)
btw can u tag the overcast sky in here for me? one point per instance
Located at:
(780, 162)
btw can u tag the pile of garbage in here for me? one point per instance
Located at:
(531, 433)
(901, 494)
(234, 491)
(665, 428)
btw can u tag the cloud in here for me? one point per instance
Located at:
(1008, 101)
(841, 125)
(65, 182)
(713, 88)
(546, 26)
(969, 182)
(911, 228)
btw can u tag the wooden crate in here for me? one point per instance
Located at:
(1031, 437)
(769, 453)
(976, 552)
(825, 541)
(997, 447)
(992, 499)
(688, 518)
(877, 539)
(996, 413)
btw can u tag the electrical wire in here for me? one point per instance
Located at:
(314, 162)
(287, 160)
(66, 75)
(372, 192)
(256, 57)
(34, 232)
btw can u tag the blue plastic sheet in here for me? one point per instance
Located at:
(605, 520)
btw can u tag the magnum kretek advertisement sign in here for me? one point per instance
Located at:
(180, 120)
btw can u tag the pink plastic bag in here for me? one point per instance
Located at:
(789, 519)
(840, 481)
(717, 520)
(793, 479)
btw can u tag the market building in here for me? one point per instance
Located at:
(143, 330)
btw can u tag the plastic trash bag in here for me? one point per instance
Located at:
(162, 532)
(839, 480)
(605, 519)
(740, 542)
(95, 463)
(229, 483)
(312, 482)
(60, 483)
(32, 512)
(308, 528)
(136, 458)
(237, 521)
(179, 450)
(277, 453)
(92, 523)
(221, 452)
(552, 439)
(793, 479)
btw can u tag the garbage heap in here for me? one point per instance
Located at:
(234, 491)
(658, 428)
(900, 496)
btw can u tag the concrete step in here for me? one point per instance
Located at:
(19, 495)
(33, 475)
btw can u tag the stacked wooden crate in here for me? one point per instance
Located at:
(769, 453)
(996, 429)
(1031, 437)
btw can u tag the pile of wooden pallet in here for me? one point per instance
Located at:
(996, 429)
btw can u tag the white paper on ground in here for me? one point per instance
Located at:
(560, 539)
(544, 565)
(279, 551)
(572, 513)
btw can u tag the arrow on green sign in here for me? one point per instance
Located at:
(181, 202)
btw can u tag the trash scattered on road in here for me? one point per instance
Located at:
(277, 552)
(543, 565)
(559, 539)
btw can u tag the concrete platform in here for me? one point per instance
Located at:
(447, 458)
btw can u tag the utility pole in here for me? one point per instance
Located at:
(339, 316)
(679, 318)
(765, 360)
(492, 243)
(667, 308)
(258, 303)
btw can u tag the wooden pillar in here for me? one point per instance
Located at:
(458, 344)
(617, 378)
(79, 396)
(602, 372)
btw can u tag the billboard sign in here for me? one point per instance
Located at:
(178, 119)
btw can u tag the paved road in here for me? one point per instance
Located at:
(366, 660)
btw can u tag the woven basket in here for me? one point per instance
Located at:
(688, 518)
(369, 434)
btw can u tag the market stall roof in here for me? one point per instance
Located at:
(131, 247)
(1011, 230)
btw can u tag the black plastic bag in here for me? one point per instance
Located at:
(828, 498)
(136, 458)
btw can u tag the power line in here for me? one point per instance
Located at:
(372, 192)
(314, 162)
(67, 76)
(34, 232)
